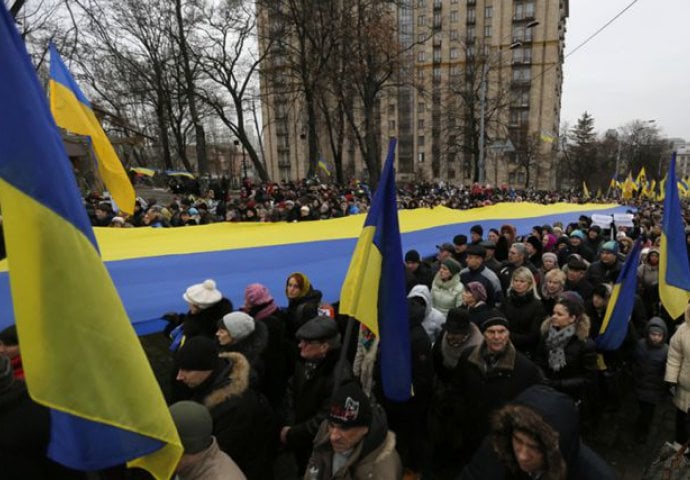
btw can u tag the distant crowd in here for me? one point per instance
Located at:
(309, 200)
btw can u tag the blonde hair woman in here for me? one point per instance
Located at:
(524, 311)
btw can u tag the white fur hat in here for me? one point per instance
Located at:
(203, 295)
(239, 324)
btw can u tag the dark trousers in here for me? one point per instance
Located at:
(682, 420)
(644, 417)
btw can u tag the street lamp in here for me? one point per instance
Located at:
(481, 163)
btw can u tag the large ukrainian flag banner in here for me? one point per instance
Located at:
(72, 111)
(614, 328)
(374, 289)
(81, 356)
(674, 271)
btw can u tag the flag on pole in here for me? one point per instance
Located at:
(80, 354)
(674, 271)
(374, 289)
(72, 111)
(585, 190)
(641, 178)
(628, 187)
(324, 166)
(614, 328)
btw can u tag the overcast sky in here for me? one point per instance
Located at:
(637, 68)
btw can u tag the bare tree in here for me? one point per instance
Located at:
(226, 48)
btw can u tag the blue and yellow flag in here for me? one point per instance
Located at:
(585, 190)
(324, 166)
(72, 111)
(81, 356)
(615, 325)
(374, 288)
(674, 271)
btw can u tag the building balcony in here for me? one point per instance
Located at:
(471, 2)
(471, 20)
(283, 164)
(283, 148)
(529, 17)
(521, 61)
(520, 83)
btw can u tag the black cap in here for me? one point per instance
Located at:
(8, 336)
(350, 407)
(488, 245)
(448, 247)
(412, 256)
(497, 319)
(197, 353)
(460, 239)
(477, 229)
(477, 250)
(458, 321)
(318, 328)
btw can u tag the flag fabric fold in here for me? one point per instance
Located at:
(674, 271)
(81, 356)
(614, 328)
(72, 111)
(374, 288)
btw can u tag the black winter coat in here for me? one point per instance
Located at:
(578, 375)
(600, 272)
(24, 437)
(525, 313)
(649, 366)
(481, 390)
(243, 422)
(206, 321)
(301, 310)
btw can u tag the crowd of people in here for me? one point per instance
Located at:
(305, 201)
(506, 374)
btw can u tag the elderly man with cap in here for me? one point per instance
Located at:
(418, 272)
(488, 376)
(311, 386)
(576, 277)
(242, 418)
(476, 233)
(202, 458)
(353, 442)
(608, 267)
(460, 253)
(476, 271)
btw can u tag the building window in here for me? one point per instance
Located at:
(519, 118)
(487, 31)
(471, 34)
(454, 53)
(420, 157)
(470, 52)
(454, 35)
(437, 73)
(455, 71)
(488, 11)
(437, 54)
(529, 10)
(420, 141)
(421, 56)
(421, 37)
(521, 74)
(437, 3)
(522, 55)
(437, 19)
(420, 124)
(421, 3)
(420, 75)
(454, 16)
(471, 14)
(421, 20)
(391, 124)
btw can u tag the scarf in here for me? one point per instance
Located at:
(259, 312)
(555, 342)
(451, 354)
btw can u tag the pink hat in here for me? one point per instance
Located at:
(256, 294)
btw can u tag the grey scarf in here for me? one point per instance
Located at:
(556, 340)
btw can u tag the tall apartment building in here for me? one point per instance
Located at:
(465, 59)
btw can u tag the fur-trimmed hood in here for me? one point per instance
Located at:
(233, 381)
(582, 327)
(547, 415)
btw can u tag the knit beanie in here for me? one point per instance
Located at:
(350, 407)
(239, 325)
(257, 294)
(610, 246)
(478, 291)
(8, 336)
(458, 321)
(412, 256)
(194, 425)
(203, 295)
(452, 265)
(549, 256)
(497, 319)
(477, 229)
(6, 375)
(197, 353)
(577, 234)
